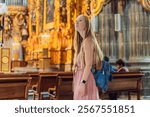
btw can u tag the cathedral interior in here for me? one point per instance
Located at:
(36, 36)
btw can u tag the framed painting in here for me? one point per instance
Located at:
(41, 15)
(49, 14)
(32, 16)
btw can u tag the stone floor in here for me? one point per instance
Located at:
(133, 97)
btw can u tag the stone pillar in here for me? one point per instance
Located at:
(120, 39)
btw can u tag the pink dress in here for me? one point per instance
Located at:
(91, 88)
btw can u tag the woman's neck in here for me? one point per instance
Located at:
(82, 33)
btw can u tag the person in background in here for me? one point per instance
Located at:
(112, 96)
(121, 67)
(113, 68)
(87, 54)
(106, 59)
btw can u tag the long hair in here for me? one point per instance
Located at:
(78, 41)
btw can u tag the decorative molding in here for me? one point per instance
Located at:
(96, 6)
(14, 9)
(16, 23)
(145, 4)
(92, 7)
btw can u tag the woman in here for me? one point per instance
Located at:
(121, 66)
(87, 54)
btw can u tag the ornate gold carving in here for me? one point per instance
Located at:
(15, 29)
(40, 17)
(63, 11)
(57, 36)
(96, 6)
(7, 28)
(92, 7)
(32, 16)
(86, 7)
(145, 4)
(15, 9)
(5, 59)
(18, 23)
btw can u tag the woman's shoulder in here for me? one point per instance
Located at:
(88, 42)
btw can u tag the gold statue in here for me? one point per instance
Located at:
(18, 23)
(7, 24)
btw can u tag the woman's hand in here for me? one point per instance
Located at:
(74, 69)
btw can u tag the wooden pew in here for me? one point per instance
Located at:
(46, 80)
(35, 78)
(14, 87)
(126, 82)
(63, 89)
(5, 75)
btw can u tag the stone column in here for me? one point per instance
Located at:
(120, 40)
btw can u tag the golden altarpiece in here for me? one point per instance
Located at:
(14, 24)
(51, 30)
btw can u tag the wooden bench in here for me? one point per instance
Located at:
(5, 75)
(46, 80)
(126, 82)
(35, 78)
(14, 87)
(63, 89)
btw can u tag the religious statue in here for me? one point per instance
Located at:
(18, 23)
(7, 25)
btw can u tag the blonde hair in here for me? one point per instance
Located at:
(78, 41)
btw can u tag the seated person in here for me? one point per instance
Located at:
(121, 66)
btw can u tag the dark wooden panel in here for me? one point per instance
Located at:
(14, 87)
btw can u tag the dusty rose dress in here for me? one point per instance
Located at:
(92, 91)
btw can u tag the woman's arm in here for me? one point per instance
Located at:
(74, 62)
(88, 52)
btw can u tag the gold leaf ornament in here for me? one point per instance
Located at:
(145, 4)
(5, 59)
(96, 6)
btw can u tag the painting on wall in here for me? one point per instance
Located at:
(41, 10)
(49, 14)
(33, 16)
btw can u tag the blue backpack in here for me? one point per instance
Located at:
(103, 76)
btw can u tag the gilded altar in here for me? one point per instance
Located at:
(51, 27)
(15, 30)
